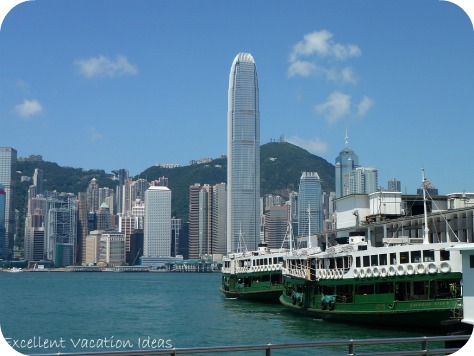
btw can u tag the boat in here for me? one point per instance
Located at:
(15, 270)
(256, 275)
(408, 283)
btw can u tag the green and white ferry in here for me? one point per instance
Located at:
(409, 283)
(254, 275)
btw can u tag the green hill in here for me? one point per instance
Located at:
(281, 166)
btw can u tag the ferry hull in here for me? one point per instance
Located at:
(429, 319)
(266, 296)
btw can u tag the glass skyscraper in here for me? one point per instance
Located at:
(243, 159)
(346, 162)
(310, 204)
(8, 158)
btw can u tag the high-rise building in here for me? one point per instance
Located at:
(2, 221)
(205, 220)
(276, 222)
(219, 219)
(394, 185)
(61, 229)
(243, 155)
(194, 220)
(310, 207)
(121, 198)
(38, 180)
(157, 233)
(346, 162)
(8, 158)
(361, 180)
(92, 194)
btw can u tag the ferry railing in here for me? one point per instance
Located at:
(351, 344)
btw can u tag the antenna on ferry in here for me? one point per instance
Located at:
(309, 225)
(426, 231)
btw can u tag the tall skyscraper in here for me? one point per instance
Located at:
(2, 221)
(361, 180)
(310, 206)
(157, 233)
(346, 162)
(243, 155)
(8, 158)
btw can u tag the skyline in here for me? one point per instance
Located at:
(149, 80)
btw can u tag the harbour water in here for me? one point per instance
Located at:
(106, 311)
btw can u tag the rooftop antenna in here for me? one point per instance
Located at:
(346, 140)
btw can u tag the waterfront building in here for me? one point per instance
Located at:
(346, 162)
(310, 207)
(112, 249)
(92, 248)
(193, 217)
(61, 229)
(157, 232)
(276, 222)
(8, 159)
(175, 232)
(34, 236)
(2, 220)
(205, 220)
(82, 229)
(219, 219)
(243, 155)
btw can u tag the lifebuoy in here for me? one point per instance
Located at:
(376, 272)
(383, 272)
(391, 271)
(420, 268)
(400, 270)
(356, 273)
(368, 272)
(410, 270)
(445, 267)
(432, 268)
(362, 273)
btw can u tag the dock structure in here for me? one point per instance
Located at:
(195, 265)
(107, 269)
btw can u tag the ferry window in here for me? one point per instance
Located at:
(415, 256)
(444, 255)
(365, 289)
(384, 287)
(280, 259)
(471, 261)
(374, 260)
(428, 255)
(393, 258)
(403, 257)
(275, 260)
(383, 259)
(357, 261)
(366, 260)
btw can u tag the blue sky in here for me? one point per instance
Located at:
(115, 84)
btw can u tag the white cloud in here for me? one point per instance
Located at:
(348, 76)
(315, 146)
(364, 106)
(105, 67)
(336, 106)
(320, 48)
(321, 44)
(302, 68)
(28, 108)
